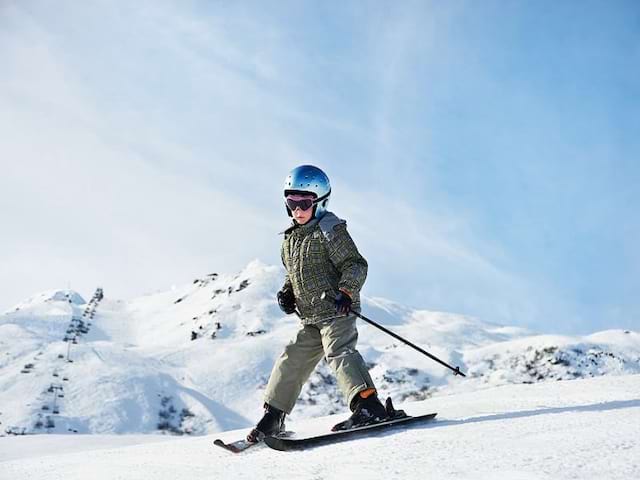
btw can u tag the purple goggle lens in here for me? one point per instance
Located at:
(303, 204)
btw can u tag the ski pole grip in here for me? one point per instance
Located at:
(327, 298)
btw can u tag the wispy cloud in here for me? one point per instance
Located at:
(146, 142)
(102, 173)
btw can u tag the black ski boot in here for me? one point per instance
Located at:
(271, 423)
(366, 411)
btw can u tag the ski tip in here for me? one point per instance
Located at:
(235, 447)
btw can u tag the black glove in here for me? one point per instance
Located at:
(343, 303)
(287, 301)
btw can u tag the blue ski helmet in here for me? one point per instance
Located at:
(309, 179)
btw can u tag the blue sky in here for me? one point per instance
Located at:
(485, 154)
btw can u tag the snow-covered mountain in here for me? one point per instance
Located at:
(196, 359)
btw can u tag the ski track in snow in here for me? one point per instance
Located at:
(579, 429)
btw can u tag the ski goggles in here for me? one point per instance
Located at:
(300, 201)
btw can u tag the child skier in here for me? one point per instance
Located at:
(319, 257)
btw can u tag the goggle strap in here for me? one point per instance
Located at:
(326, 195)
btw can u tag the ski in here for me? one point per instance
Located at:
(292, 443)
(238, 446)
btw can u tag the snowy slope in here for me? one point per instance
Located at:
(585, 429)
(195, 359)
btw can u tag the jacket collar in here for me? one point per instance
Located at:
(304, 228)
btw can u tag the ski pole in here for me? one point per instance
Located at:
(456, 370)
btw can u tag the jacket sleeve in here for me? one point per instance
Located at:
(287, 280)
(344, 255)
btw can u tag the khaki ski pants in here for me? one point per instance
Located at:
(336, 341)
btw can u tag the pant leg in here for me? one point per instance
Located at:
(293, 368)
(339, 338)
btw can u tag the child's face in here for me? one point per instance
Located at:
(301, 216)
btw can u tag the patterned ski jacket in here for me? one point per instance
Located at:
(320, 256)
